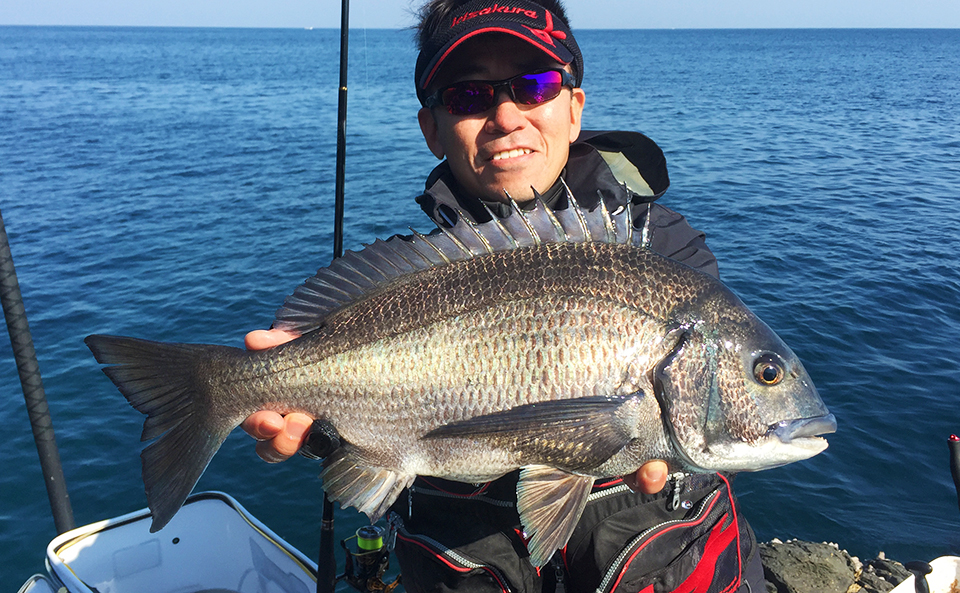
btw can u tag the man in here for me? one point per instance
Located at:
(500, 87)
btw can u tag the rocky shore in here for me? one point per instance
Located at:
(807, 567)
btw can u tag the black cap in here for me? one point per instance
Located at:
(523, 19)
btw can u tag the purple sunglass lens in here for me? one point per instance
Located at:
(532, 89)
(468, 98)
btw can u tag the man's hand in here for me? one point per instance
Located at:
(649, 479)
(261, 339)
(280, 437)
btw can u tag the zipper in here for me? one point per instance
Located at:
(620, 489)
(676, 479)
(616, 566)
(559, 585)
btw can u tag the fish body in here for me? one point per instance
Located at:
(548, 341)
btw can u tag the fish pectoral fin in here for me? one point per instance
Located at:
(550, 502)
(351, 482)
(574, 434)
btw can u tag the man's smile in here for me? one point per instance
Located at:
(510, 154)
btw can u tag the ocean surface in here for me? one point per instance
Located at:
(177, 184)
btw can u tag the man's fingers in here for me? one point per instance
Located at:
(267, 452)
(649, 479)
(263, 425)
(261, 339)
(287, 441)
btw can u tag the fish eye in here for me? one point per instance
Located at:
(768, 370)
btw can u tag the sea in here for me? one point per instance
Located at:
(178, 183)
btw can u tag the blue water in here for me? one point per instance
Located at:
(177, 184)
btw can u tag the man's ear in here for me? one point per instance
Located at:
(430, 131)
(577, 100)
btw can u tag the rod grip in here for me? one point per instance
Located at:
(954, 444)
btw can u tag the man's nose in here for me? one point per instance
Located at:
(507, 115)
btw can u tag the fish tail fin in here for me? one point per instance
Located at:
(161, 381)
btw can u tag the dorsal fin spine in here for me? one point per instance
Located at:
(453, 238)
(329, 286)
(645, 235)
(481, 237)
(495, 221)
(526, 222)
(398, 255)
(582, 220)
(555, 222)
(423, 239)
(608, 227)
(383, 260)
(354, 271)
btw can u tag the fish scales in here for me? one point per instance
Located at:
(484, 362)
(577, 358)
(515, 349)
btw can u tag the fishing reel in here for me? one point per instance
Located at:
(367, 563)
(370, 559)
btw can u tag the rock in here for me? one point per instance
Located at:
(807, 567)
(890, 570)
(872, 583)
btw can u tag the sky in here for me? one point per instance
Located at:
(393, 14)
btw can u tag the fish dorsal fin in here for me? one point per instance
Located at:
(359, 273)
(550, 502)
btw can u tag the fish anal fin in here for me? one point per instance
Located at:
(550, 502)
(574, 434)
(348, 480)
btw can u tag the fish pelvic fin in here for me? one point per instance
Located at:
(161, 381)
(550, 502)
(348, 480)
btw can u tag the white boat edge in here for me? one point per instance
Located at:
(945, 577)
(75, 563)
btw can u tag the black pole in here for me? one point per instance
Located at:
(327, 562)
(954, 445)
(33, 394)
(341, 129)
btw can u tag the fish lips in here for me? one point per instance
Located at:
(801, 428)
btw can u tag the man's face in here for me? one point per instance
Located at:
(508, 147)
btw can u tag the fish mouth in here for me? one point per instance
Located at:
(803, 428)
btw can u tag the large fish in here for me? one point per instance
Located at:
(551, 341)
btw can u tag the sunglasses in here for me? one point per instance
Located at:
(476, 96)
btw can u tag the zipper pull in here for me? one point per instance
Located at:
(676, 480)
(409, 503)
(393, 526)
(559, 586)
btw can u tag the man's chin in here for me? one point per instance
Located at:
(520, 194)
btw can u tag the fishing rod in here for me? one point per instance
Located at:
(327, 562)
(953, 443)
(341, 131)
(920, 570)
(33, 393)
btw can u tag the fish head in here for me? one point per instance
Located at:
(733, 395)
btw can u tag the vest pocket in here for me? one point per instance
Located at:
(700, 552)
(490, 565)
